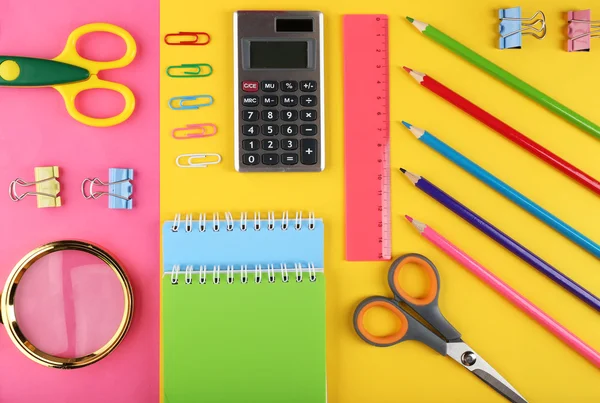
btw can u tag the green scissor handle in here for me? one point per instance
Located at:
(32, 72)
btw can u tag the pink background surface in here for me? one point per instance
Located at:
(36, 130)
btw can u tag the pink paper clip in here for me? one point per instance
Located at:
(581, 30)
(195, 131)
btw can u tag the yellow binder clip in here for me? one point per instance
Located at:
(47, 187)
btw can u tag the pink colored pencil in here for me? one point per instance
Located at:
(507, 292)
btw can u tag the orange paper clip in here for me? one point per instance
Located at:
(195, 131)
(189, 38)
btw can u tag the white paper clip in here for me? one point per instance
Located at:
(206, 160)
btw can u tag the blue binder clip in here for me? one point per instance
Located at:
(120, 188)
(513, 27)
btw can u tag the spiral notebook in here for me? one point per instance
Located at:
(243, 309)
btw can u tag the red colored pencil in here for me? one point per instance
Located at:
(505, 130)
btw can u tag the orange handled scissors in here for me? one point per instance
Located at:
(70, 73)
(444, 339)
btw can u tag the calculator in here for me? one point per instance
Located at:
(278, 91)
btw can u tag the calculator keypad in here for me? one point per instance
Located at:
(280, 123)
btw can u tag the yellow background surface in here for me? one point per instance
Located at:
(541, 367)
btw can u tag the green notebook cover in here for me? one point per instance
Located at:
(236, 342)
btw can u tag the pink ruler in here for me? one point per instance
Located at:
(366, 131)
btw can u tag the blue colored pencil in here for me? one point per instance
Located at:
(504, 189)
(503, 239)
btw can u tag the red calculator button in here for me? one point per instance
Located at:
(250, 86)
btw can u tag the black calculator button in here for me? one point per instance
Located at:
(289, 100)
(250, 115)
(289, 144)
(289, 159)
(269, 86)
(250, 145)
(250, 100)
(308, 151)
(270, 116)
(270, 130)
(270, 144)
(270, 100)
(250, 159)
(308, 114)
(308, 100)
(308, 130)
(289, 115)
(270, 159)
(289, 130)
(289, 86)
(308, 86)
(250, 130)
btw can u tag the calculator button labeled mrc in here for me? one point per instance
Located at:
(269, 86)
(250, 100)
(289, 86)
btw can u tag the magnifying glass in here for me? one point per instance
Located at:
(67, 304)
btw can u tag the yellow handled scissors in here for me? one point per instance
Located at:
(421, 320)
(70, 73)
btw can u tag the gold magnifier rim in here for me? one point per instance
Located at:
(8, 313)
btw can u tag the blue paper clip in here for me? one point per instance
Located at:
(513, 27)
(120, 188)
(181, 106)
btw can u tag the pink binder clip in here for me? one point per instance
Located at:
(581, 30)
(195, 131)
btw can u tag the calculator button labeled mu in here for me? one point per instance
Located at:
(279, 123)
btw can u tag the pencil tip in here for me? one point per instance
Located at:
(409, 218)
(403, 170)
(410, 19)
(408, 69)
(408, 125)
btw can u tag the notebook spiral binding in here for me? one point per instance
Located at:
(189, 272)
(216, 222)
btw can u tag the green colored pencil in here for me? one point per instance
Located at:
(507, 78)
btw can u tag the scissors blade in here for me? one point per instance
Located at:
(466, 356)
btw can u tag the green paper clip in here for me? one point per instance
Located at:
(191, 70)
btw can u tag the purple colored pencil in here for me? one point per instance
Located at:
(500, 237)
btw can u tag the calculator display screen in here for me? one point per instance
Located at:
(278, 55)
